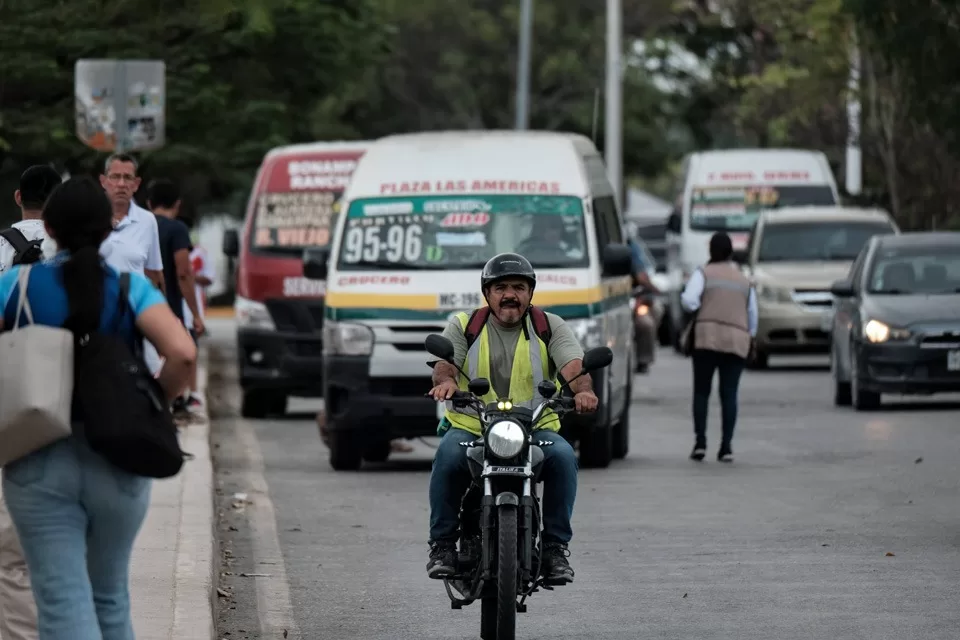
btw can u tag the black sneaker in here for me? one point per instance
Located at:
(725, 455)
(699, 452)
(556, 569)
(443, 559)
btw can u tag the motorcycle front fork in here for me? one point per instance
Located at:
(528, 530)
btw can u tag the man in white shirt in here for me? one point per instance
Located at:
(18, 613)
(134, 244)
(36, 184)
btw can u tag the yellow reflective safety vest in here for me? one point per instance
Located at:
(531, 365)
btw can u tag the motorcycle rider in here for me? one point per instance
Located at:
(507, 282)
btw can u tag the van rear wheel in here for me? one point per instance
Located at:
(346, 452)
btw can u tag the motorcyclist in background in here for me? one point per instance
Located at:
(516, 360)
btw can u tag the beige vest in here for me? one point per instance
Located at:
(722, 319)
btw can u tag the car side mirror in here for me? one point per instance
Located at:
(842, 289)
(673, 222)
(597, 358)
(479, 387)
(440, 347)
(546, 389)
(617, 260)
(231, 243)
(315, 262)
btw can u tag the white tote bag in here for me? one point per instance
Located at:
(36, 383)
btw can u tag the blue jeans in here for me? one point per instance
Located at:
(451, 478)
(77, 517)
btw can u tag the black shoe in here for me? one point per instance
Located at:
(699, 452)
(725, 455)
(443, 559)
(556, 569)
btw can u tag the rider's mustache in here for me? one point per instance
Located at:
(510, 302)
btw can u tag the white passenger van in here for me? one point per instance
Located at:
(726, 190)
(422, 215)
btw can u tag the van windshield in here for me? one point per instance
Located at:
(462, 232)
(736, 208)
(286, 223)
(817, 241)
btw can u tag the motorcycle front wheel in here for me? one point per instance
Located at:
(506, 572)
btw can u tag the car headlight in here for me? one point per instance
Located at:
(773, 293)
(347, 339)
(505, 439)
(588, 331)
(876, 331)
(252, 314)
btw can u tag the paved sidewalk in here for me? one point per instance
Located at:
(172, 574)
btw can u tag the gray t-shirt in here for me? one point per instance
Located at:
(563, 349)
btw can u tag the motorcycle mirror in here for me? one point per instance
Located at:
(479, 386)
(547, 389)
(439, 346)
(597, 358)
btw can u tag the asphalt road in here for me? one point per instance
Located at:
(830, 524)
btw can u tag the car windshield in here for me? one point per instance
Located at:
(462, 232)
(817, 241)
(931, 269)
(286, 223)
(736, 208)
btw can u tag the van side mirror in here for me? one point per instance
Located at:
(617, 260)
(673, 222)
(315, 262)
(842, 289)
(231, 243)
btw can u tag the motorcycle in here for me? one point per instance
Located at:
(500, 523)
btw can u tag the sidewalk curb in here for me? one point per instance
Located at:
(195, 597)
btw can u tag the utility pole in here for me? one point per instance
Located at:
(613, 139)
(523, 65)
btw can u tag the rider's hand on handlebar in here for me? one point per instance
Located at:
(586, 402)
(444, 390)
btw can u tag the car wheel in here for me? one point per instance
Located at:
(377, 452)
(862, 399)
(596, 442)
(841, 390)
(260, 404)
(346, 454)
(621, 432)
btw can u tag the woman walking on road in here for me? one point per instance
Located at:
(723, 329)
(76, 514)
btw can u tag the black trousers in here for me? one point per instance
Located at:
(730, 366)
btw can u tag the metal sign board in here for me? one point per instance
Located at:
(120, 104)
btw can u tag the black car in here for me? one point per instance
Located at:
(896, 321)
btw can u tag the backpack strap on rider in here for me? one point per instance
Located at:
(541, 324)
(475, 325)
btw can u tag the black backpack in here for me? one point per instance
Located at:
(24, 251)
(120, 407)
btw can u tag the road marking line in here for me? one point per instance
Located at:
(273, 591)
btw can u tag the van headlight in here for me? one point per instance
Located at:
(252, 314)
(505, 439)
(773, 293)
(347, 339)
(588, 331)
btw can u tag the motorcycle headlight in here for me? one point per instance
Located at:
(347, 339)
(505, 439)
(252, 314)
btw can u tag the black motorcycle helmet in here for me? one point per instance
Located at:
(507, 265)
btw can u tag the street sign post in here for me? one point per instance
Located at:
(120, 104)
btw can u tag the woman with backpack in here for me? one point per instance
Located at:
(77, 515)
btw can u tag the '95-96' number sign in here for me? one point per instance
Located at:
(393, 243)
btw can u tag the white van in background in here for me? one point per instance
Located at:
(726, 190)
(422, 215)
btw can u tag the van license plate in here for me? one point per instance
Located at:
(441, 410)
(953, 360)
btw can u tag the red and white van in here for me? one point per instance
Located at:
(279, 313)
